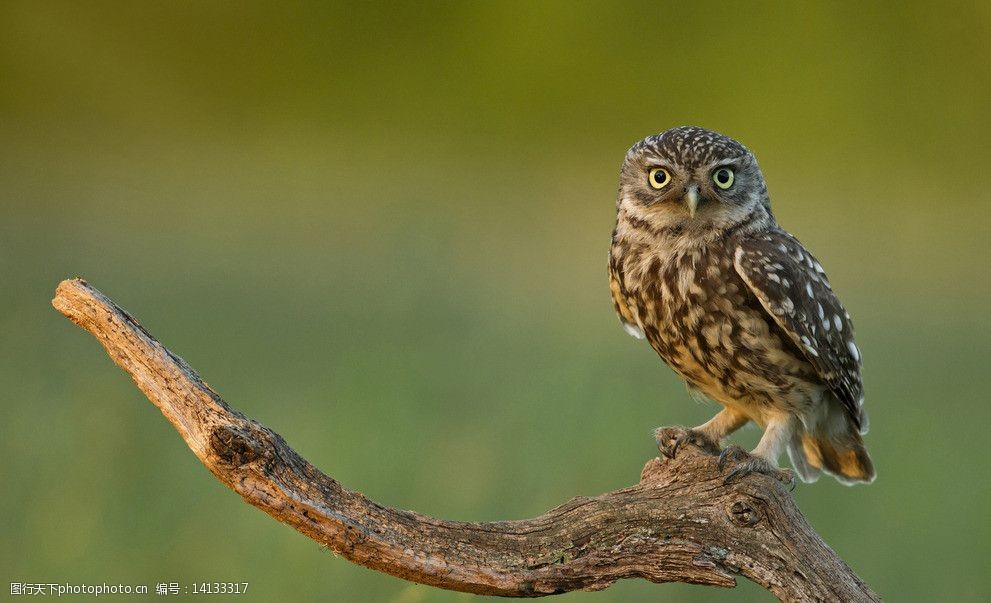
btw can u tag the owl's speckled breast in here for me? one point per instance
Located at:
(702, 319)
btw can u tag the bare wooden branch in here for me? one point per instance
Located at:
(680, 523)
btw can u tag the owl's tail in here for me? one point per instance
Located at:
(834, 446)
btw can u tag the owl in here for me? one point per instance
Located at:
(737, 307)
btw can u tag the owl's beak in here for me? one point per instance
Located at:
(692, 198)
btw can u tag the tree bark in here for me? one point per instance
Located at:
(680, 523)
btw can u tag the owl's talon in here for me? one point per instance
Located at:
(670, 439)
(732, 452)
(756, 464)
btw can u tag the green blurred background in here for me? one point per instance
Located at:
(382, 231)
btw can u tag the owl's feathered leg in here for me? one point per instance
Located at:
(764, 458)
(724, 423)
(707, 435)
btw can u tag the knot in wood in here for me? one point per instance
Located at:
(232, 446)
(743, 513)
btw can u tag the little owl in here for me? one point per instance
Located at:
(737, 307)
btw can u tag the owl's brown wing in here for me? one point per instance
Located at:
(793, 288)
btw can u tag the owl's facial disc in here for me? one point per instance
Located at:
(693, 181)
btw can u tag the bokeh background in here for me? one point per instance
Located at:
(381, 229)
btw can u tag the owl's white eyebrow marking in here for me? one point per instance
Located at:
(734, 161)
(854, 350)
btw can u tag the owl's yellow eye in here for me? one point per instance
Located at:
(659, 178)
(723, 177)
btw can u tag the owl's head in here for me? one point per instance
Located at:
(693, 180)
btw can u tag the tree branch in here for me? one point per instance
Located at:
(680, 523)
